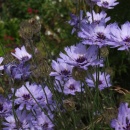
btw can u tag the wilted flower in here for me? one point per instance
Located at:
(109, 4)
(92, 2)
(5, 106)
(22, 54)
(17, 71)
(75, 21)
(104, 81)
(70, 86)
(92, 34)
(123, 120)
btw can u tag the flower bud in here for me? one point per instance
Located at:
(79, 73)
(109, 71)
(69, 104)
(104, 52)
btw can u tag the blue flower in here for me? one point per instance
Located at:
(22, 54)
(123, 120)
(17, 71)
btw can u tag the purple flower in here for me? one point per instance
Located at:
(62, 70)
(44, 96)
(5, 106)
(92, 34)
(123, 120)
(24, 98)
(75, 21)
(104, 81)
(120, 37)
(42, 122)
(22, 54)
(98, 18)
(109, 4)
(23, 121)
(80, 56)
(17, 71)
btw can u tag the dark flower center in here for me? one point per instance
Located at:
(26, 96)
(72, 87)
(81, 59)
(65, 72)
(100, 35)
(1, 107)
(105, 4)
(97, 21)
(99, 82)
(25, 58)
(45, 125)
(127, 39)
(128, 125)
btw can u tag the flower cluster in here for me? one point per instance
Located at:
(81, 57)
(31, 105)
(28, 106)
(94, 30)
(28, 114)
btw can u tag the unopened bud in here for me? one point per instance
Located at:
(109, 71)
(1, 90)
(79, 73)
(69, 104)
(104, 52)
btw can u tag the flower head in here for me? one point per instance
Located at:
(104, 81)
(80, 56)
(5, 106)
(75, 20)
(97, 17)
(62, 70)
(123, 120)
(23, 121)
(108, 4)
(17, 71)
(120, 37)
(22, 54)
